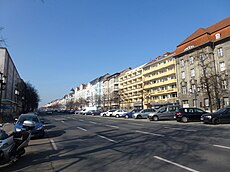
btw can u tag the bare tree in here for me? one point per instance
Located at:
(211, 81)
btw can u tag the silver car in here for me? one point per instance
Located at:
(165, 112)
(143, 113)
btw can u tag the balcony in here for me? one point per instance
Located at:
(169, 72)
(171, 81)
(159, 67)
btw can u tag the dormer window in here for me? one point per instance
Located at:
(217, 36)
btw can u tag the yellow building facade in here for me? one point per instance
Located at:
(131, 89)
(159, 82)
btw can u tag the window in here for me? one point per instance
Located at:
(194, 102)
(184, 90)
(220, 52)
(226, 101)
(183, 75)
(217, 36)
(224, 84)
(206, 102)
(182, 63)
(192, 72)
(222, 66)
(191, 59)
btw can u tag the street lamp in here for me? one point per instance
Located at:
(195, 90)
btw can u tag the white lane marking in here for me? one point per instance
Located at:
(82, 129)
(220, 146)
(111, 140)
(180, 129)
(53, 144)
(113, 126)
(92, 122)
(81, 120)
(136, 124)
(144, 132)
(176, 164)
(63, 121)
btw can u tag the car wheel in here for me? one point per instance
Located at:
(138, 116)
(126, 116)
(155, 118)
(104, 115)
(117, 116)
(215, 121)
(184, 119)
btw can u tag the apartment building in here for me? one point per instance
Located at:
(12, 87)
(159, 79)
(131, 89)
(203, 67)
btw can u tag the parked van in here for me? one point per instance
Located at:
(87, 109)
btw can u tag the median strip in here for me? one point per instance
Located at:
(111, 140)
(220, 146)
(144, 132)
(176, 164)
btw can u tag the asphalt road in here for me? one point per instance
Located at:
(76, 143)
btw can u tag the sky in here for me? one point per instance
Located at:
(57, 45)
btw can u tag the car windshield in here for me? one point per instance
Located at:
(220, 110)
(28, 118)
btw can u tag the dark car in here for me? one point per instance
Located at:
(164, 113)
(130, 114)
(93, 112)
(189, 114)
(220, 116)
(38, 130)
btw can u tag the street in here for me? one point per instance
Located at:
(93, 143)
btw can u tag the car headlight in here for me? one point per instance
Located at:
(18, 129)
(208, 116)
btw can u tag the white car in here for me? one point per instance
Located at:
(107, 113)
(118, 113)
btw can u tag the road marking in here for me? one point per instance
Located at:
(179, 129)
(82, 129)
(81, 120)
(111, 140)
(144, 132)
(63, 121)
(92, 122)
(113, 126)
(136, 124)
(176, 164)
(220, 146)
(53, 144)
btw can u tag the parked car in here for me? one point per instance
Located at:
(165, 112)
(118, 113)
(38, 130)
(93, 112)
(107, 113)
(189, 114)
(220, 116)
(143, 113)
(130, 114)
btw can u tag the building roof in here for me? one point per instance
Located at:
(204, 35)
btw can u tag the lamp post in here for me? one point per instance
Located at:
(195, 91)
(2, 85)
